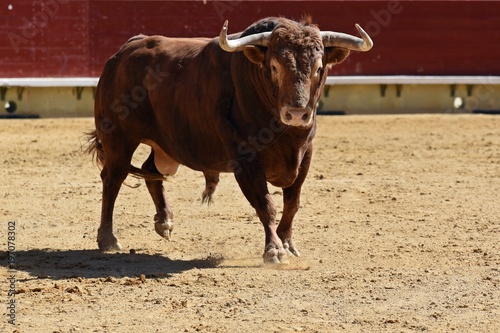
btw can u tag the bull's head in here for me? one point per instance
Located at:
(296, 57)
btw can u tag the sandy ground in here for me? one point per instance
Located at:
(399, 232)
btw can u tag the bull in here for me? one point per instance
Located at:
(243, 103)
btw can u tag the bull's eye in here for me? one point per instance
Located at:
(276, 70)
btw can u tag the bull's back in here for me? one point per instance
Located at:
(144, 76)
(171, 91)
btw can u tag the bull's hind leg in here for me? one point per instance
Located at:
(211, 181)
(115, 169)
(291, 203)
(164, 218)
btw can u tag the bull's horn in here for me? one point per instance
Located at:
(348, 41)
(234, 45)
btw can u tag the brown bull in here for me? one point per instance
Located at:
(243, 103)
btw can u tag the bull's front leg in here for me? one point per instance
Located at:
(252, 182)
(291, 203)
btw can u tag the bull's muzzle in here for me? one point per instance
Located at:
(296, 116)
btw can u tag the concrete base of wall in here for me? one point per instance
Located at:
(410, 98)
(385, 98)
(49, 101)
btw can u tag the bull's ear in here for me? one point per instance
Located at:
(255, 54)
(335, 55)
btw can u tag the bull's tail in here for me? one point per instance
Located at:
(94, 147)
(146, 175)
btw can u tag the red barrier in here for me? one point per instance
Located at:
(63, 38)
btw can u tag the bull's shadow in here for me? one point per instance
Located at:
(55, 264)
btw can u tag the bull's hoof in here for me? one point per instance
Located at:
(290, 249)
(109, 244)
(275, 256)
(164, 229)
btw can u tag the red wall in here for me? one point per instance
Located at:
(62, 38)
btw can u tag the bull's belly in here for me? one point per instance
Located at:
(165, 164)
